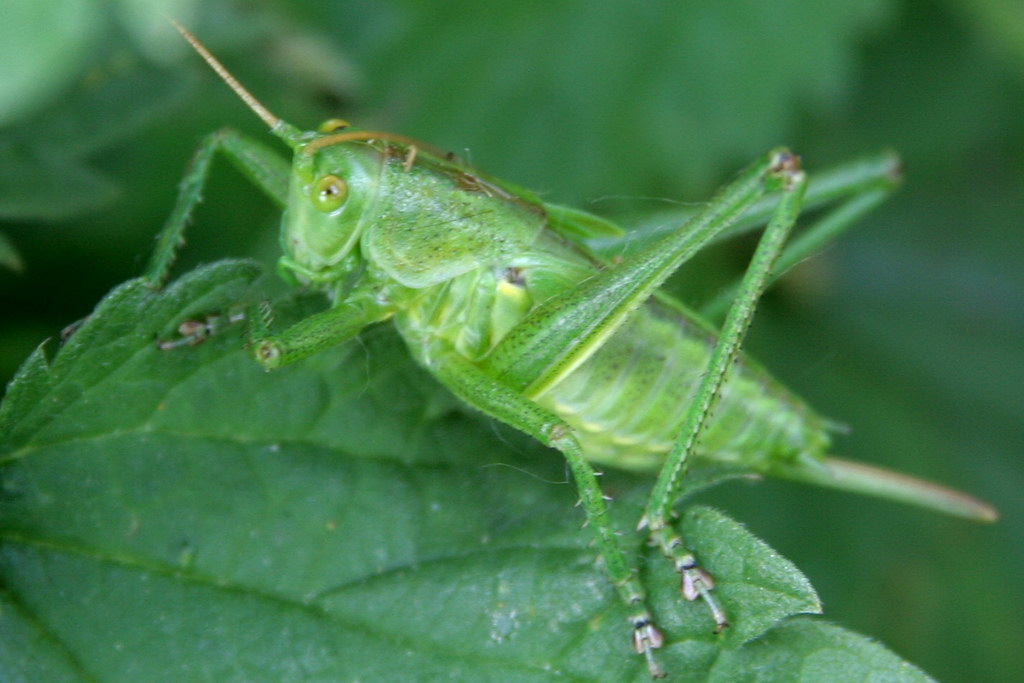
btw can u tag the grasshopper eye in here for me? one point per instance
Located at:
(329, 193)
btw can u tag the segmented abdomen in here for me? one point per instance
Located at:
(627, 402)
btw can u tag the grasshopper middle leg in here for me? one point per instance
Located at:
(478, 389)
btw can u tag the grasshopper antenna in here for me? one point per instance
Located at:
(278, 127)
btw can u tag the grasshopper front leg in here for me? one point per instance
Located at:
(257, 162)
(337, 324)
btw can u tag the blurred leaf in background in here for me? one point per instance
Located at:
(42, 55)
(909, 329)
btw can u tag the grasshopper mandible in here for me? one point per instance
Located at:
(498, 297)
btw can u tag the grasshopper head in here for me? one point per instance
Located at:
(331, 186)
(330, 201)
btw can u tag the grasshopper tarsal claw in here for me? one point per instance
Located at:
(697, 583)
(193, 332)
(190, 333)
(646, 639)
(694, 580)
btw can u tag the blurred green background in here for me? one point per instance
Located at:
(910, 329)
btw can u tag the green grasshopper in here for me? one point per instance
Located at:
(497, 295)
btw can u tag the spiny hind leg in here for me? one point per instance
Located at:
(481, 391)
(559, 333)
(696, 583)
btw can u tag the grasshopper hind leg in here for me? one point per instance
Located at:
(646, 639)
(791, 183)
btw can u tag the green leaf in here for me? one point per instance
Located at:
(43, 175)
(40, 184)
(41, 46)
(756, 585)
(169, 515)
(806, 650)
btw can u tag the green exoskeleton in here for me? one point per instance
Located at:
(497, 296)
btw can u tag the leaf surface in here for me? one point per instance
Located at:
(182, 514)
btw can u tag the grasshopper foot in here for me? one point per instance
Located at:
(646, 639)
(697, 583)
(194, 332)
